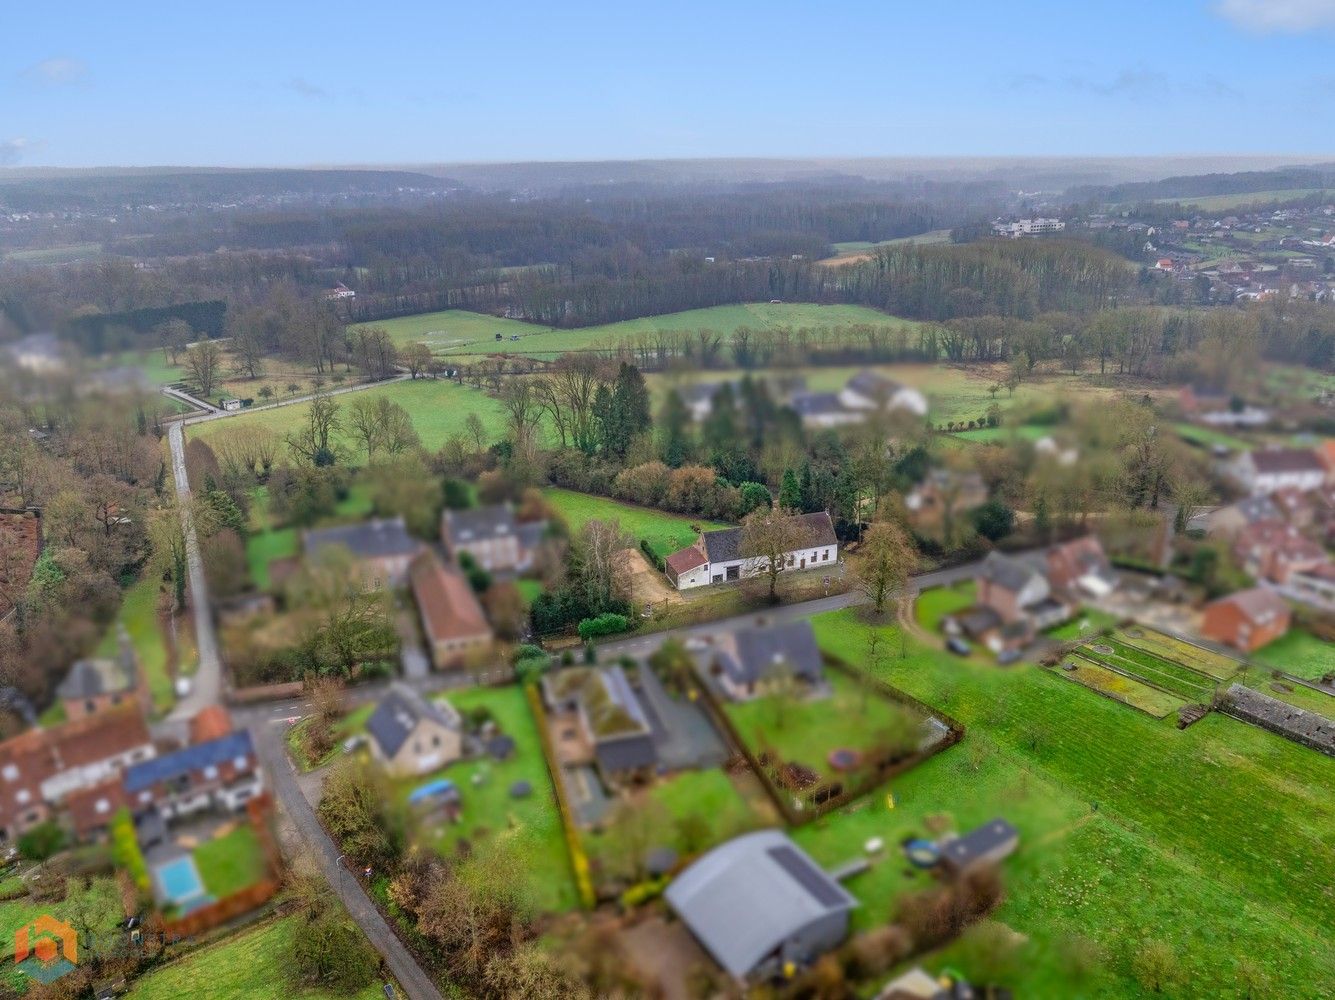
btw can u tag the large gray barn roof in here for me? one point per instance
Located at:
(744, 898)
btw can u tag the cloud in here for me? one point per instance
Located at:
(305, 88)
(1134, 83)
(13, 150)
(1291, 17)
(58, 71)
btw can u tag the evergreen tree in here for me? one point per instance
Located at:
(604, 417)
(674, 423)
(790, 493)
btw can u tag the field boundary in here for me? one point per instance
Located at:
(1078, 654)
(579, 860)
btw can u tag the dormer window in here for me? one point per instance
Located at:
(10, 772)
(210, 772)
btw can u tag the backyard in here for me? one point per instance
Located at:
(665, 533)
(1131, 830)
(231, 861)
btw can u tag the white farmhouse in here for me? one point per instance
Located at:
(716, 556)
(871, 391)
(1267, 470)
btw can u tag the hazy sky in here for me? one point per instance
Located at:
(288, 82)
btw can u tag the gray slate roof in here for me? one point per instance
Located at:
(374, 539)
(873, 385)
(816, 404)
(746, 897)
(750, 654)
(398, 714)
(978, 843)
(1006, 571)
(90, 678)
(725, 544)
(478, 524)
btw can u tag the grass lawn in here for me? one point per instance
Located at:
(665, 532)
(251, 963)
(438, 409)
(529, 590)
(488, 809)
(935, 604)
(1198, 658)
(801, 730)
(139, 615)
(1024, 432)
(1217, 840)
(1154, 670)
(1097, 677)
(230, 863)
(1299, 653)
(16, 913)
(352, 724)
(265, 543)
(1208, 437)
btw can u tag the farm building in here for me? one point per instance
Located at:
(716, 556)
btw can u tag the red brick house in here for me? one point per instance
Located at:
(1246, 620)
(1274, 551)
(457, 632)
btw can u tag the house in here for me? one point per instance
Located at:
(761, 906)
(1246, 620)
(1227, 522)
(40, 768)
(824, 409)
(99, 684)
(456, 630)
(1027, 227)
(221, 773)
(339, 292)
(1274, 550)
(1014, 603)
(38, 353)
(751, 661)
(944, 492)
(1080, 569)
(1265, 470)
(716, 556)
(1203, 398)
(612, 722)
(413, 736)
(492, 537)
(20, 548)
(381, 547)
(1314, 585)
(987, 845)
(1296, 507)
(869, 390)
(1050, 448)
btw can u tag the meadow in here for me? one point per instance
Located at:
(1217, 840)
(665, 533)
(1227, 202)
(1299, 653)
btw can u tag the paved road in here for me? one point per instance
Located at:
(185, 397)
(217, 414)
(207, 689)
(269, 745)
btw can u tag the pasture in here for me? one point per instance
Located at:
(1217, 840)
(665, 533)
(1299, 653)
(1231, 202)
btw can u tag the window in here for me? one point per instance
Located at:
(102, 806)
(88, 706)
(240, 762)
(210, 772)
(10, 772)
(435, 741)
(23, 797)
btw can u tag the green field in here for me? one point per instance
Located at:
(1024, 432)
(1227, 202)
(665, 533)
(1299, 653)
(230, 863)
(67, 254)
(265, 543)
(251, 963)
(1208, 436)
(438, 409)
(862, 246)
(1198, 658)
(1217, 840)
(139, 615)
(453, 329)
(1152, 669)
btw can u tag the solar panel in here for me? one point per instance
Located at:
(808, 876)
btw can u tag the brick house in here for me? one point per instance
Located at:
(456, 630)
(1079, 568)
(221, 773)
(1246, 620)
(382, 548)
(99, 684)
(1274, 551)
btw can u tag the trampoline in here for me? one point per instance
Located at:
(921, 853)
(179, 883)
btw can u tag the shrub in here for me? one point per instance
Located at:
(608, 623)
(659, 563)
(125, 851)
(329, 950)
(42, 841)
(642, 892)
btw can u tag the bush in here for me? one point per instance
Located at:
(330, 951)
(658, 562)
(608, 623)
(994, 520)
(126, 853)
(42, 841)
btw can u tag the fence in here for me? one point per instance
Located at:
(818, 804)
(579, 861)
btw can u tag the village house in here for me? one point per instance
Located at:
(103, 683)
(871, 391)
(942, 493)
(759, 904)
(339, 293)
(751, 662)
(1015, 601)
(1228, 521)
(40, 768)
(221, 773)
(1274, 551)
(614, 729)
(1313, 585)
(492, 537)
(716, 556)
(1295, 506)
(456, 630)
(1079, 570)
(381, 547)
(412, 736)
(1266, 470)
(819, 410)
(1246, 620)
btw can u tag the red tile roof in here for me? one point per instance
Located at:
(686, 560)
(209, 724)
(447, 603)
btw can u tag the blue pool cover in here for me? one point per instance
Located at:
(441, 786)
(180, 881)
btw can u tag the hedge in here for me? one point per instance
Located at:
(608, 623)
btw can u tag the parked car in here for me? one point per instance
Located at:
(958, 646)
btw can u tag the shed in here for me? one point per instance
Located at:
(986, 845)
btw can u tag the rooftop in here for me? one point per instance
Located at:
(374, 539)
(400, 711)
(232, 747)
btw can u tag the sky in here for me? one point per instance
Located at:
(296, 83)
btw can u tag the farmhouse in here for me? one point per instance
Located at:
(382, 548)
(868, 391)
(456, 629)
(413, 736)
(716, 556)
(492, 537)
(1269, 469)
(1246, 620)
(219, 773)
(759, 904)
(751, 661)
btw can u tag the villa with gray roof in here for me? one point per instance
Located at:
(492, 537)
(382, 547)
(759, 903)
(613, 727)
(716, 556)
(411, 735)
(748, 662)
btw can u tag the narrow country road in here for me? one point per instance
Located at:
(207, 689)
(347, 884)
(217, 414)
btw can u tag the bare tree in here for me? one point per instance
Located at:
(768, 536)
(417, 358)
(204, 363)
(477, 431)
(887, 557)
(313, 443)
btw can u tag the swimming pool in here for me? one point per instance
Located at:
(179, 883)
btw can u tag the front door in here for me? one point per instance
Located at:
(803, 564)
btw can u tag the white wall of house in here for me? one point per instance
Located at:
(903, 398)
(811, 558)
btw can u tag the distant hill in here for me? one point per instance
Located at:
(1293, 178)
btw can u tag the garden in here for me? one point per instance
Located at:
(665, 533)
